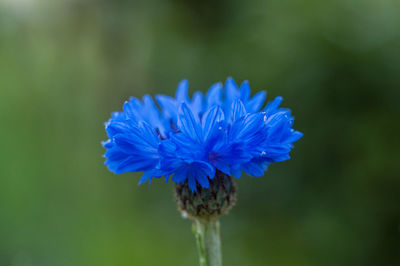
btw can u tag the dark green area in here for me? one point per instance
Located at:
(66, 65)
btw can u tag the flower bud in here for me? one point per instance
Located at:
(207, 203)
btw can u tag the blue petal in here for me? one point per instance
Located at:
(146, 176)
(113, 128)
(238, 110)
(223, 168)
(281, 158)
(188, 123)
(211, 121)
(182, 92)
(151, 113)
(246, 126)
(132, 109)
(272, 106)
(214, 94)
(192, 183)
(231, 93)
(134, 164)
(255, 169)
(167, 146)
(114, 156)
(256, 102)
(180, 175)
(295, 136)
(201, 177)
(197, 103)
(107, 144)
(206, 167)
(133, 146)
(236, 172)
(244, 91)
(141, 135)
(168, 105)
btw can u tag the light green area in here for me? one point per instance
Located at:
(66, 65)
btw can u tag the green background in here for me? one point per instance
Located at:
(66, 65)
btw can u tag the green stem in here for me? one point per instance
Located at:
(208, 242)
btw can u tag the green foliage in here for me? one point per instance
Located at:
(65, 65)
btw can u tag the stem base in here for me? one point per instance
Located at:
(208, 242)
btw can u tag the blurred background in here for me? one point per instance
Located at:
(66, 65)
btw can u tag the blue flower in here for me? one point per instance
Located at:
(189, 139)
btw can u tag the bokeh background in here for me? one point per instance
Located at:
(66, 65)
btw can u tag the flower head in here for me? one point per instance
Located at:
(189, 139)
